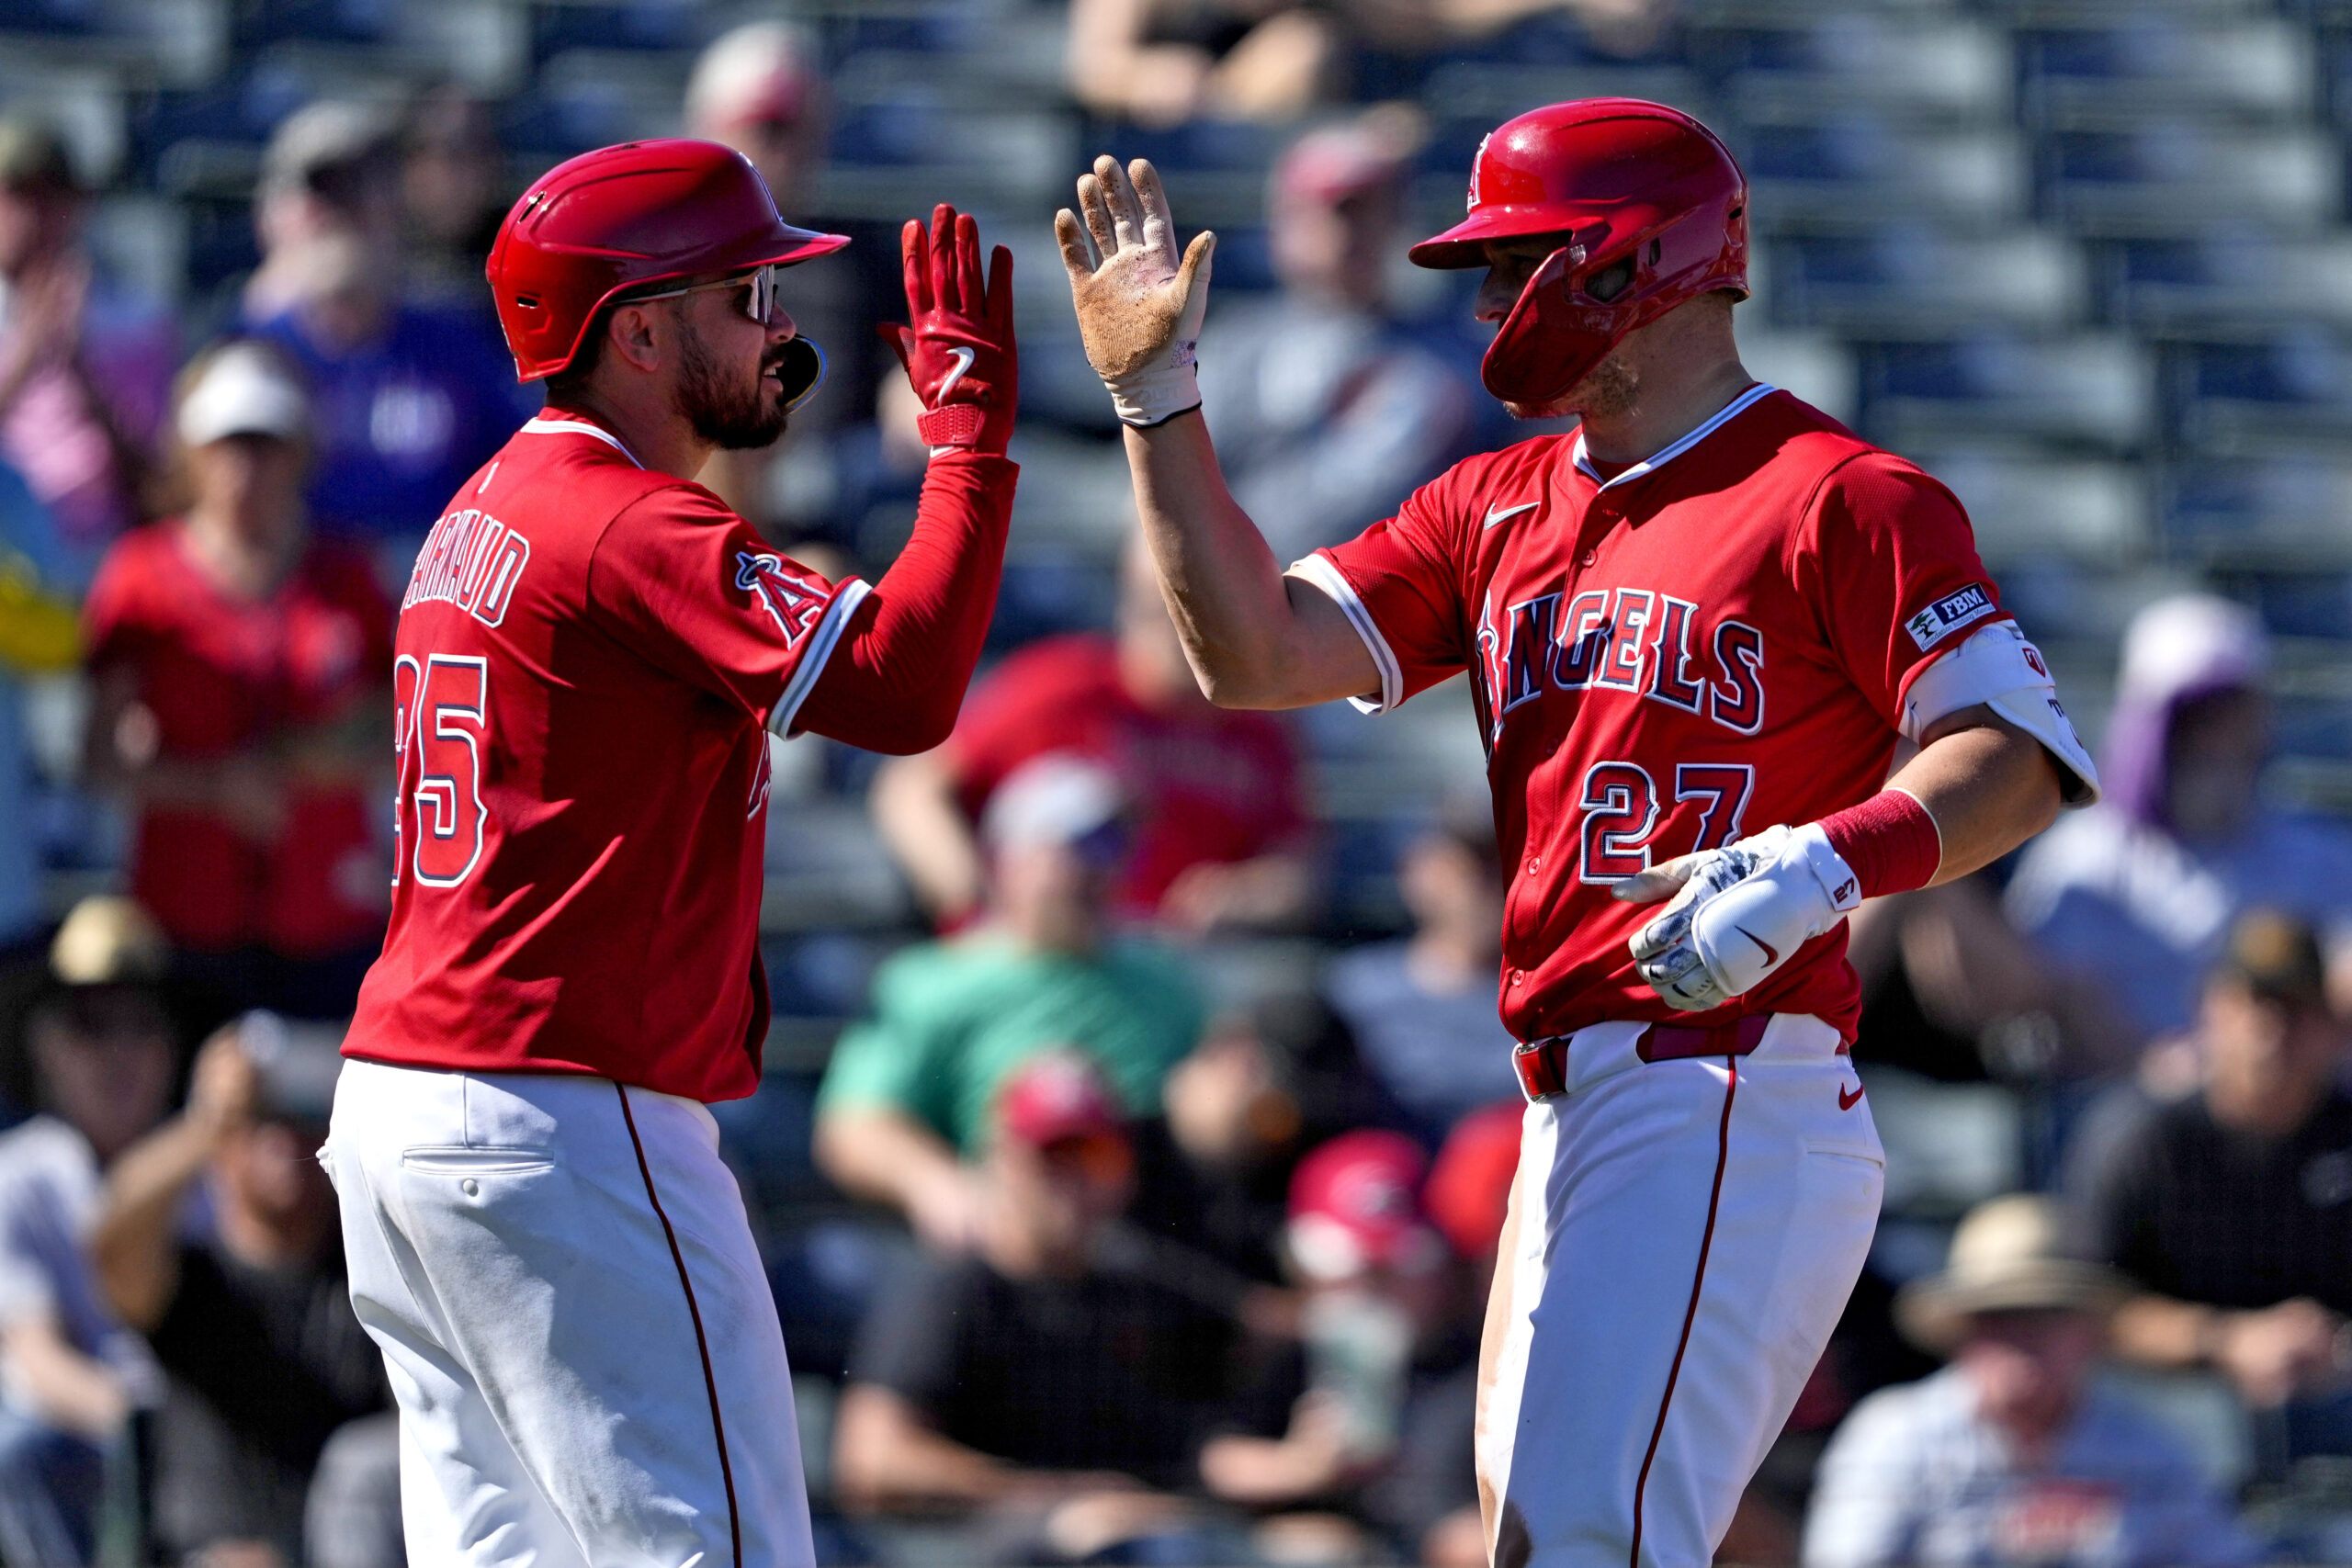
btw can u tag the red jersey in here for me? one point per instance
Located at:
(589, 652)
(224, 674)
(1714, 641)
(1212, 785)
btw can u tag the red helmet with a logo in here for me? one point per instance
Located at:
(1651, 211)
(622, 218)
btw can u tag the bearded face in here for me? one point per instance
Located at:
(1609, 391)
(736, 408)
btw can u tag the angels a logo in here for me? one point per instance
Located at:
(1477, 159)
(794, 603)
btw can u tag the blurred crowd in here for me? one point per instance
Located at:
(1131, 1167)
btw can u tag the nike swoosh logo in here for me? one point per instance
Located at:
(963, 357)
(1847, 1101)
(1497, 514)
(1769, 957)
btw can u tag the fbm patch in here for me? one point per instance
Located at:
(1949, 614)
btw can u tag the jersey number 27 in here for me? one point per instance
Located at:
(441, 716)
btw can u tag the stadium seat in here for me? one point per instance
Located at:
(2094, 389)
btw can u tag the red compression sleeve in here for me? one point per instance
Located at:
(896, 680)
(1889, 841)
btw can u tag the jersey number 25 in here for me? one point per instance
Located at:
(441, 715)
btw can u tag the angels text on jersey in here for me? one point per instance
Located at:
(1637, 640)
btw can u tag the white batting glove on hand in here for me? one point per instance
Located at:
(1742, 911)
(1140, 304)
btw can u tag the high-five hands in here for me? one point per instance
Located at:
(959, 353)
(1140, 304)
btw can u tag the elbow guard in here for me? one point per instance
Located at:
(1998, 668)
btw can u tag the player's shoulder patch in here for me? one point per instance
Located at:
(1960, 607)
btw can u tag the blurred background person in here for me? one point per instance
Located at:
(1222, 836)
(2230, 1210)
(454, 192)
(1270, 1080)
(1036, 1377)
(2135, 896)
(85, 362)
(240, 669)
(761, 89)
(1329, 411)
(1159, 63)
(102, 1059)
(1423, 1009)
(1371, 1413)
(407, 401)
(2014, 1453)
(250, 1313)
(40, 634)
(909, 1090)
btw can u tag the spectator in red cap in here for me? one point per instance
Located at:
(1324, 409)
(1220, 811)
(1381, 1396)
(1047, 1377)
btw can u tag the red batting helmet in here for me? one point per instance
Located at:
(1651, 210)
(620, 218)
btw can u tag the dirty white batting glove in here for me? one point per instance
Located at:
(1744, 911)
(1140, 303)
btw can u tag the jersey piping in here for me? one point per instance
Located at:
(1322, 574)
(577, 427)
(1319, 571)
(1666, 454)
(820, 649)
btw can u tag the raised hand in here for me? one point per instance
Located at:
(959, 353)
(1140, 304)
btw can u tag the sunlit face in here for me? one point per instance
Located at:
(2029, 1368)
(730, 384)
(1608, 389)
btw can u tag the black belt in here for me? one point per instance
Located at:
(1543, 1063)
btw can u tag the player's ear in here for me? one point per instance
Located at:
(639, 335)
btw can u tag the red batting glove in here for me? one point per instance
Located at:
(959, 352)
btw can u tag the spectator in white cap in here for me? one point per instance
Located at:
(1326, 411)
(240, 664)
(2013, 1454)
(906, 1098)
(2132, 900)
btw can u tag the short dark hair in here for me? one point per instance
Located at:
(575, 375)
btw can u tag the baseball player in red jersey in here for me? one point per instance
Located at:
(591, 656)
(1697, 631)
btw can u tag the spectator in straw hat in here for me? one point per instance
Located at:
(2231, 1210)
(2012, 1453)
(102, 1058)
(240, 668)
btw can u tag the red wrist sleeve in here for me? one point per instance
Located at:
(896, 680)
(1889, 841)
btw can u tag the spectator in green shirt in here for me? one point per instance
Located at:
(906, 1097)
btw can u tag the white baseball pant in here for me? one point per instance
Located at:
(1684, 1236)
(579, 1335)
